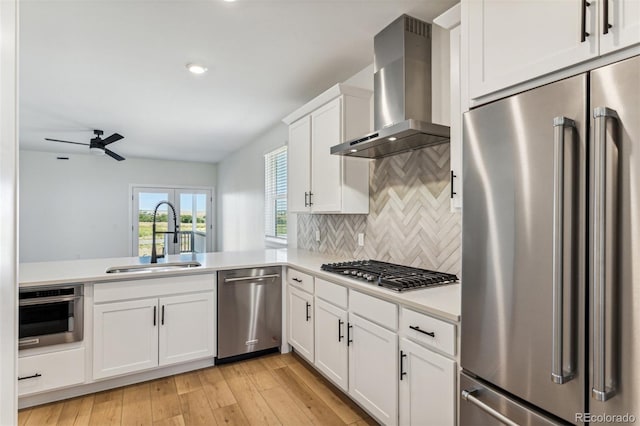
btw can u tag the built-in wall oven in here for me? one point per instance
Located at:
(50, 315)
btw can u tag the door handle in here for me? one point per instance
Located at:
(298, 280)
(603, 387)
(583, 21)
(428, 333)
(469, 396)
(605, 17)
(453, 175)
(306, 203)
(34, 376)
(154, 315)
(349, 327)
(558, 373)
(308, 316)
(340, 335)
(162, 320)
(402, 357)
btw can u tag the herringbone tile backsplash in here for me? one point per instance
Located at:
(409, 221)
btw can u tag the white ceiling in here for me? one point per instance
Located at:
(119, 66)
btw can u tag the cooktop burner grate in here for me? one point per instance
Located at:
(390, 275)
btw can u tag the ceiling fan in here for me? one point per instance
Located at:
(97, 145)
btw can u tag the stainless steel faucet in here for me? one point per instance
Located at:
(176, 229)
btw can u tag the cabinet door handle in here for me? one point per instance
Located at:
(583, 21)
(310, 195)
(428, 333)
(162, 320)
(349, 340)
(453, 175)
(298, 280)
(306, 203)
(308, 316)
(154, 315)
(340, 335)
(30, 377)
(605, 17)
(402, 357)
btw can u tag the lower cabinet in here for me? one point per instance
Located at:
(39, 373)
(373, 368)
(332, 355)
(427, 386)
(300, 322)
(135, 335)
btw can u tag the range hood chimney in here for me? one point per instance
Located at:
(402, 94)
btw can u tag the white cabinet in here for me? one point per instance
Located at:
(300, 320)
(624, 24)
(510, 42)
(144, 324)
(373, 368)
(427, 387)
(53, 370)
(319, 182)
(332, 356)
(125, 337)
(186, 328)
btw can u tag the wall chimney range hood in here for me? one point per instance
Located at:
(402, 94)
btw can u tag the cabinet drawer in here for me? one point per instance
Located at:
(379, 311)
(332, 293)
(416, 326)
(39, 373)
(300, 280)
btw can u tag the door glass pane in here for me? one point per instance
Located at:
(146, 203)
(193, 222)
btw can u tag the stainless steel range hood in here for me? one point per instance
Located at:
(402, 94)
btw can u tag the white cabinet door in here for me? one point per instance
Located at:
(427, 389)
(373, 368)
(332, 356)
(301, 322)
(299, 164)
(125, 337)
(187, 328)
(326, 170)
(514, 41)
(624, 20)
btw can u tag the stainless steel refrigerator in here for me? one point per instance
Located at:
(551, 254)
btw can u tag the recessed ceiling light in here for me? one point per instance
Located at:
(229, 1)
(354, 150)
(392, 139)
(196, 68)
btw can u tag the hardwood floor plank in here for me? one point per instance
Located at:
(171, 421)
(311, 404)
(45, 415)
(216, 388)
(109, 395)
(230, 415)
(106, 413)
(23, 416)
(136, 405)
(165, 403)
(232, 371)
(256, 410)
(196, 409)
(76, 411)
(284, 407)
(346, 409)
(368, 422)
(273, 361)
(187, 382)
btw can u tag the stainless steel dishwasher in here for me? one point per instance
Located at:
(249, 312)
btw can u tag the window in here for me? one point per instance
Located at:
(275, 193)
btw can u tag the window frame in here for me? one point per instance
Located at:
(271, 195)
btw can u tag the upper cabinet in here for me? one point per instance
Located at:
(318, 181)
(510, 42)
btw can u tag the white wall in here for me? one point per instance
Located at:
(8, 213)
(80, 208)
(241, 192)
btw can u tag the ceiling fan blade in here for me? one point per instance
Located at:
(58, 140)
(113, 155)
(111, 139)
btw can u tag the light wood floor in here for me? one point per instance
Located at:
(270, 390)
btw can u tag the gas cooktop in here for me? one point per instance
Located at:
(390, 275)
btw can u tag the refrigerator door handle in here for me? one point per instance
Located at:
(600, 390)
(558, 373)
(469, 396)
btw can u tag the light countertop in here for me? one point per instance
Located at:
(442, 301)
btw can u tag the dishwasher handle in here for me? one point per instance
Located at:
(254, 278)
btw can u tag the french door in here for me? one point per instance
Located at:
(193, 206)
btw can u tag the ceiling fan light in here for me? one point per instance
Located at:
(96, 151)
(196, 68)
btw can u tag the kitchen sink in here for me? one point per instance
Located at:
(153, 267)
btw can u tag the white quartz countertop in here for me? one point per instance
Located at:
(442, 301)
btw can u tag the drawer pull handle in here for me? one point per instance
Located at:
(298, 280)
(428, 333)
(30, 377)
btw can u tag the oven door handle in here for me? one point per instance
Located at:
(45, 300)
